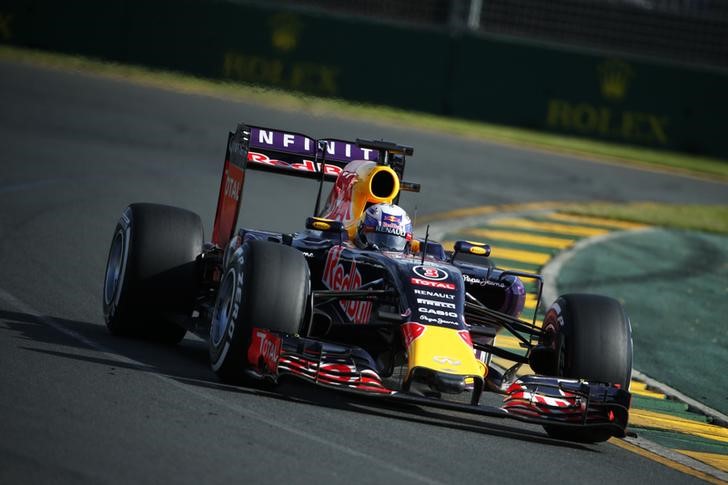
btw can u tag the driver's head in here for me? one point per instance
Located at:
(384, 226)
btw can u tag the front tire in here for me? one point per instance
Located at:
(151, 271)
(591, 338)
(265, 285)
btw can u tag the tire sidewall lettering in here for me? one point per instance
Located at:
(220, 349)
(123, 229)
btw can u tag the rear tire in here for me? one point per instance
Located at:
(151, 271)
(591, 339)
(265, 285)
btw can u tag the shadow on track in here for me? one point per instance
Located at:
(188, 363)
(31, 328)
(309, 394)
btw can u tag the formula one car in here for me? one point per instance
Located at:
(413, 323)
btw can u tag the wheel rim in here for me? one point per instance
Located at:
(222, 315)
(114, 268)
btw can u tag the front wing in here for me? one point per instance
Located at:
(533, 399)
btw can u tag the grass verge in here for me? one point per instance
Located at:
(708, 218)
(579, 147)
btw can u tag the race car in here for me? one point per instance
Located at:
(356, 302)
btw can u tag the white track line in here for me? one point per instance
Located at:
(550, 274)
(677, 457)
(550, 293)
(718, 418)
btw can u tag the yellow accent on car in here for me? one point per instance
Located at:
(361, 183)
(321, 226)
(444, 350)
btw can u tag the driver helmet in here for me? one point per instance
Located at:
(385, 227)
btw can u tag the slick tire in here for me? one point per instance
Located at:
(265, 285)
(151, 272)
(592, 339)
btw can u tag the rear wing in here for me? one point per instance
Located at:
(272, 150)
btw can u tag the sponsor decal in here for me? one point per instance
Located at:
(391, 223)
(303, 166)
(337, 278)
(301, 144)
(340, 200)
(610, 117)
(300, 76)
(430, 273)
(433, 284)
(434, 294)
(435, 303)
(472, 280)
(614, 76)
(286, 29)
(237, 298)
(440, 359)
(411, 331)
(232, 187)
(112, 292)
(266, 347)
(439, 321)
(397, 231)
(228, 203)
(439, 313)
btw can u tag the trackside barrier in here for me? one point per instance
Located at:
(466, 75)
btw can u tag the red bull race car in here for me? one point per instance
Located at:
(355, 302)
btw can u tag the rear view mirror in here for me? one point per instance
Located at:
(324, 225)
(470, 247)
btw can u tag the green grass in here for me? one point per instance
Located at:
(708, 218)
(579, 147)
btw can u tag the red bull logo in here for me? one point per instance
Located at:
(411, 331)
(391, 220)
(337, 278)
(340, 199)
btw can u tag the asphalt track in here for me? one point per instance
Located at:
(77, 405)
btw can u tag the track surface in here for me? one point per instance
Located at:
(77, 405)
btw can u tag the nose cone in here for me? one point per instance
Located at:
(426, 381)
(440, 359)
